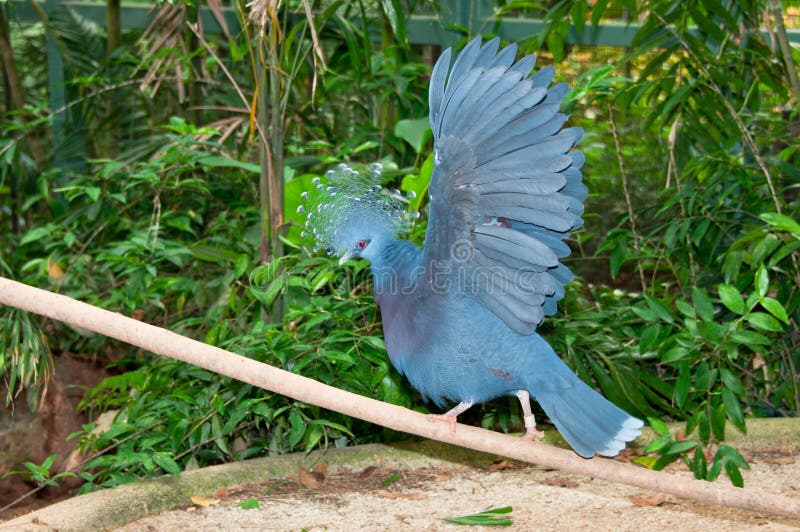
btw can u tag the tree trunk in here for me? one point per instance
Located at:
(113, 26)
(16, 96)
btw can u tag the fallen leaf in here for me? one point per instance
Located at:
(54, 270)
(626, 455)
(646, 461)
(395, 495)
(322, 469)
(221, 492)
(310, 479)
(777, 459)
(560, 482)
(501, 465)
(249, 504)
(647, 500)
(367, 471)
(391, 479)
(203, 501)
(442, 477)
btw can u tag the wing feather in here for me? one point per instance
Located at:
(506, 181)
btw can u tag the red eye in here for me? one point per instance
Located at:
(362, 244)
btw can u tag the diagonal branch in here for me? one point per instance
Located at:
(167, 343)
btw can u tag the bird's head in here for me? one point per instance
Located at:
(352, 216)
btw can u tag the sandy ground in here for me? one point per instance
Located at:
(414, 485)
(384, 498)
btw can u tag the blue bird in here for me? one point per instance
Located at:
(460, 314)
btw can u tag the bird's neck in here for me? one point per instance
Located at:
(396, 269)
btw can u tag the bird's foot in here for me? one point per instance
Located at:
(445, 417)
(533, 434)
(451, 416)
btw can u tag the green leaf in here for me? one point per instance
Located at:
(312, 436)
(774, 307)
(579, 16)
(681, 391)
(391, 479)
(679, 447)
(763, 321)
(731, 381)
(416, 131)
(733, 409)
(734, 474)
(660, 310)
(699, 465)
(781, 221)
(718, 416)
(685, 308)
(208, 253)
(656, 445)
(658, 426)
(487, 518)
(716, 468)
(249, 504)
(676, 352)
(394, 13)
(167, 463)
(35, 234)
(241, 265)
(762, 281)
(750, 338)
(218, 161)
(93, 193)
(418, 185)
(597, 11)
(703, 305)
(731, 298)
(296, 428)
(48, 462)
(649, 337)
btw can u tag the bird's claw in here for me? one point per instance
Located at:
(452, 420)
(533, 434)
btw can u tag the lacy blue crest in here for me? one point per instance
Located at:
(349, 198)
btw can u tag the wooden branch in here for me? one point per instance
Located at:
(164, 342)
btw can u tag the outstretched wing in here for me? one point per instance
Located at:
(506, 187)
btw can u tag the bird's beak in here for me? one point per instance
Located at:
(347, 256)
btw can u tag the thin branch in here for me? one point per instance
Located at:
(672, 170)
(628, 202)
(748, 138)
(230, 77)
(167, 343)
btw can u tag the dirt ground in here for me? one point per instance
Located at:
(376, 497)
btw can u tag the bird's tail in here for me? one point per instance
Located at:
(587, 420)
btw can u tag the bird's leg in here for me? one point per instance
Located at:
(530, 422)
(451, 415)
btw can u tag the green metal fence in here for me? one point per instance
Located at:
(474, 16)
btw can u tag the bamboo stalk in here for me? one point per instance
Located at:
(167, 343)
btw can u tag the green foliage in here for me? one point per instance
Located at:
(171, 414)
(41, 474)
(706, 329)
(693, 455)
(249, 504)
(493, 517)
(691, 312)
(25, 359)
